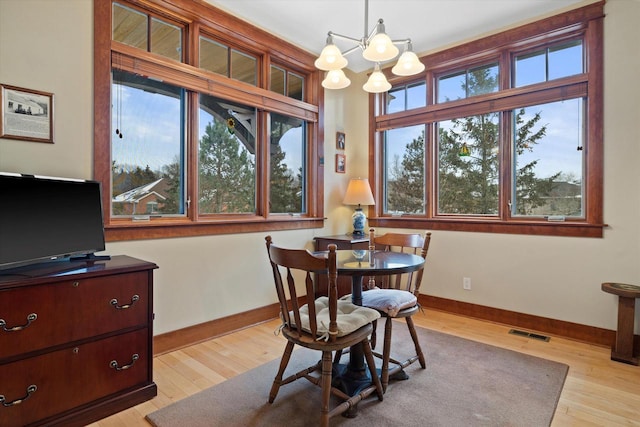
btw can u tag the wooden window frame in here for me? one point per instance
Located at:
(200, 18)
(586, 22)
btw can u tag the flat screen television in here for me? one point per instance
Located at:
(45, 219)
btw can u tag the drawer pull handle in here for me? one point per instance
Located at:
(30, 318)
(114, 302)
(30, 390)
(114, 364)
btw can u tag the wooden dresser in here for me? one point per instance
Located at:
(76, 344)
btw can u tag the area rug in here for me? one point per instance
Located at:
(466, 383)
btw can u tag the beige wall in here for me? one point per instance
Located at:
(204, 278)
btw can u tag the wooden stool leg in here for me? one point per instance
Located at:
(623, 350)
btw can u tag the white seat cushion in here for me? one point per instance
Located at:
(389, 301)
(350, 317)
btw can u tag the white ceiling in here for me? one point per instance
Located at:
(430, 24)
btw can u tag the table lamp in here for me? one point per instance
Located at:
(358, 193)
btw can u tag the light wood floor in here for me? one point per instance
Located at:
(597, 391)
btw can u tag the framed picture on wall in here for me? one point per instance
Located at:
(340, 140)
(26, 114)
(341, 163)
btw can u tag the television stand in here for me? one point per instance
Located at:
(90, 258)
(76, 347)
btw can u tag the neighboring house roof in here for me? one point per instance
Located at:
(136, 194)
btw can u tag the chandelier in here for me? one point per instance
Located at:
(376, 47)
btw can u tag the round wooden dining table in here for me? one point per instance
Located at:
(354, 376)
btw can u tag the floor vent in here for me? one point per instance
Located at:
(529, 335)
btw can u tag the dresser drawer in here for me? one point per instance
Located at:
(67, 378)
(41, 316)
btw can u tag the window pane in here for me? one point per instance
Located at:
(243, 67)
(452, 87)
(482, 80)
(295, 86)
(548, 159)
(548, 64)
(396, 100)
(468, 165)
(129, 27)
(227, 157)
(416, 96)
(277, 80)
(406, 97)
(166, 39)
(147, 145)
(287, 165)
(213, 57)
(404, 170)
(565, 60)
(530, 69)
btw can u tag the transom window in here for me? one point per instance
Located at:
(407, 97)
(287, 83)
(520, 149)
(131, 27)
(466, 83)
(228, 62)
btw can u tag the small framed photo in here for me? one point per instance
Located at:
(26, 114)
(341, 163)
(340, 140)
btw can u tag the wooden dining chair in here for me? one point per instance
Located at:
(324, 324)
(396, 296)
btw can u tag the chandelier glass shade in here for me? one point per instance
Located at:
(376, 47)
(336, 79)
(377, 82)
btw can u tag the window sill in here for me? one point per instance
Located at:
(121, 230)
(540, 228)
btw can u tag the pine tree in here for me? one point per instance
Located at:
(227, 172)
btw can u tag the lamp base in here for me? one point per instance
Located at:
(359, 218)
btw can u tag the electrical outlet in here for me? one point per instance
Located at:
(466, 283)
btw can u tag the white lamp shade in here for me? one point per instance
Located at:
(330, 59)
(377, 82)
(359, 193)
(408, 65)
(380, 49)
(336, 79)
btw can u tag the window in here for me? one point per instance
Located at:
(472, 82)
(287, 166)
(195, 141)
(548, 160)
(549, 63)
(407, 97)
(228, 62)
(147, 148)
(404, 150)
(227, 157)
(131, 27)
(468, 165)
(509, 140)
(286, 83)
